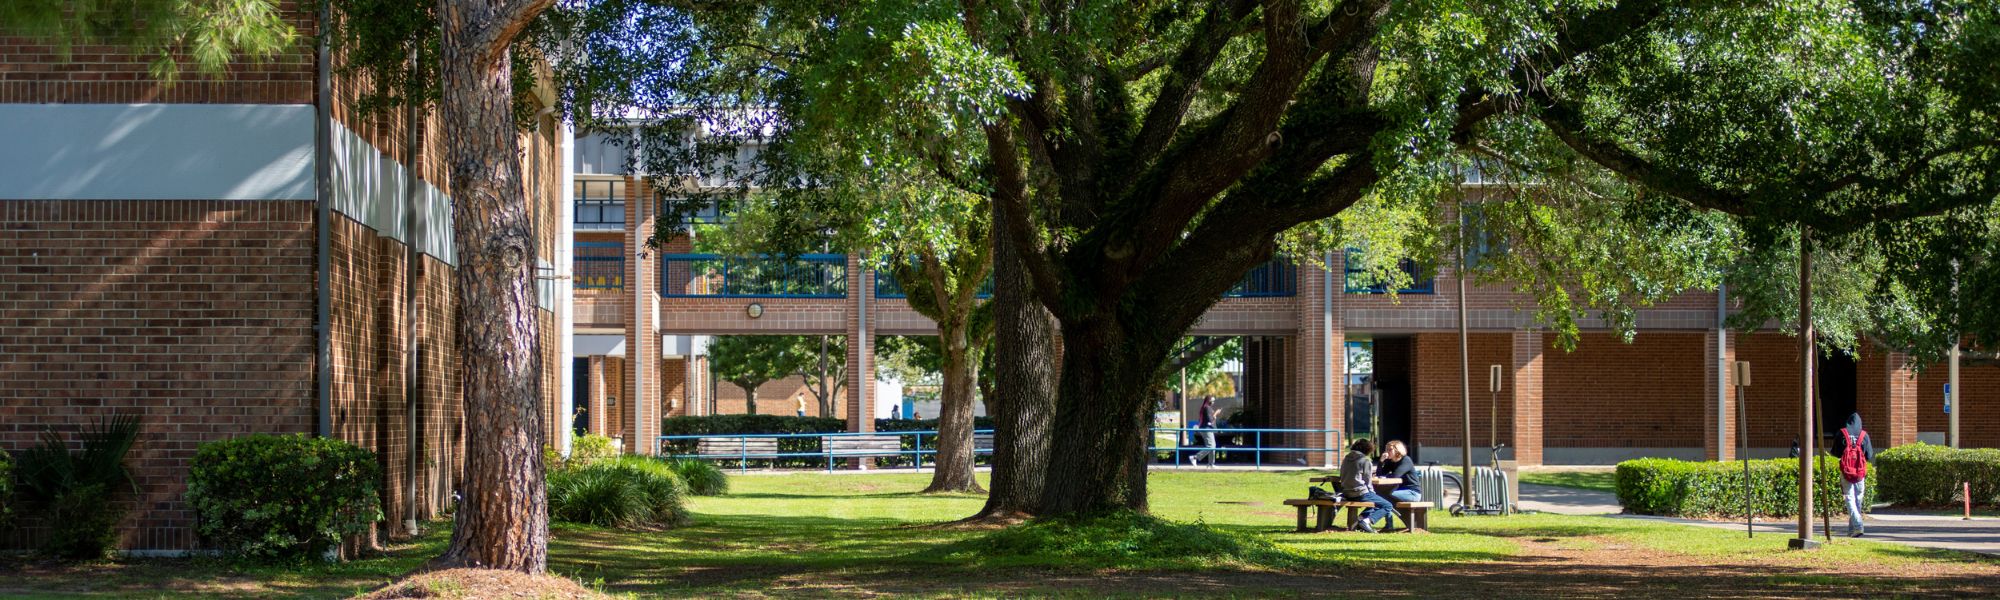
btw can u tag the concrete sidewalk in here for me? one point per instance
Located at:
(1981, 534)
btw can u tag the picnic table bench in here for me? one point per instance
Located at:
(1415, 516)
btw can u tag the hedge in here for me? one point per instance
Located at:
(756, 424)
(1679, 488)
(6, 488)
(1927, 475)
(268, 497)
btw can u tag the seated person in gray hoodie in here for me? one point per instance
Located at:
(1356, 484)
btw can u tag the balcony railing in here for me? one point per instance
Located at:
(717, 276)
(1275, 279)
(600, 265)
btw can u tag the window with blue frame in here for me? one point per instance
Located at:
(1423, 280)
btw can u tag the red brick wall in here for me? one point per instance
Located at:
(195, 314)
(36, 71)
(1438, 411)
(1979, 403)
(1772, 400)
(1611, 394)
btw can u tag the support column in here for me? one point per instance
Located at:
(1719, 430)
(1525, 389)
(597, 393)
(642, 341)
(1319, 367)
(860, 346)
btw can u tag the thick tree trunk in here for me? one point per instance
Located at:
(1024, 388)
(825, 391)
(503, 517)
(1097, 457)
(953, 470)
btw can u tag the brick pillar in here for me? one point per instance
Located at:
(1886, 397)
(1318, 370)
(597, 394)
(860, 346)
(1526, 397)
(642, 342)
(1719, 424)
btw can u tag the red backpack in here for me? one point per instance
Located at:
(1853, 462)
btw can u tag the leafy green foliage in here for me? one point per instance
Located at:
(212, 33)
(284, 498)
(702, 478)
(6, 488)
(81, 495)
(1670, 487)
(1928, 475)
(626, 492)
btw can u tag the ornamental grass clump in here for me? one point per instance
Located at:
(282, 498)
(702, 478)
(631, 492)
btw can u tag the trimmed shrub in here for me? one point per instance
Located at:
(77, 494)
(1679, 488)
(626, 492)
(1927, 475)
(6, 488)
(591, 448)
(701, 477)
(282, 497)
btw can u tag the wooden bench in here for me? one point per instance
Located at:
(851, 446)
(982, 442)
(1415, 516)
(724, 448)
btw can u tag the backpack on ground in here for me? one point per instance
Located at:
(1853, 460)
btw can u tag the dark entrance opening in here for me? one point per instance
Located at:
(581, 397)
(1392, 383)
(1835, 378)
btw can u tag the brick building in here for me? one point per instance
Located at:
(168, 250)
(1663, 394)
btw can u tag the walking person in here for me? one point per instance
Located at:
(1357, 485)
(1855, 452)
(1206, 422)
(801, 404)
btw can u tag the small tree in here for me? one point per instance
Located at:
(749, 361)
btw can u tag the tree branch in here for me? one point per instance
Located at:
(1566, 122)
(1183, 81)
(509, 18)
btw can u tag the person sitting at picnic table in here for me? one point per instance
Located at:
(1356, 485)
(1398, 470)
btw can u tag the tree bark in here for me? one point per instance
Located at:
(1097, 460)
(503, 517)
(953, 470)
(1024, 387)
(749, 397)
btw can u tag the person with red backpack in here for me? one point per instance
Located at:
(1855, 451)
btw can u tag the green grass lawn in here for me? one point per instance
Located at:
(1601, 481)
(870, 536)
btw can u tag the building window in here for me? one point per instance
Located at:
(600, 204)
(1480, 239)
(1423, 280)
(600, 265)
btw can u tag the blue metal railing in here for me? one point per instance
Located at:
(1423, 281)
(717, 276)
(807, 446)
(1274, 279)
(600, 265)
(1245, 440)
(886, 286)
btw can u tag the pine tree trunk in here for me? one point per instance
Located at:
(1024, 388)
(953, 470)
(1097, 454)
(503, 517)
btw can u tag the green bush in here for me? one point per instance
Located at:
(77, 494)
(1927, 475)
(6, 488)
(1670, 487)
(585, 450)
(276, 498)
(628, 492)
(702, 478)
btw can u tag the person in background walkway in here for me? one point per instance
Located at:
(896, 412)
(1855, 451)
(1205, 420)
(1357, 486)
(1397, 469)
(801, 403)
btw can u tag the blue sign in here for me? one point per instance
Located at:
(1947, 398)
